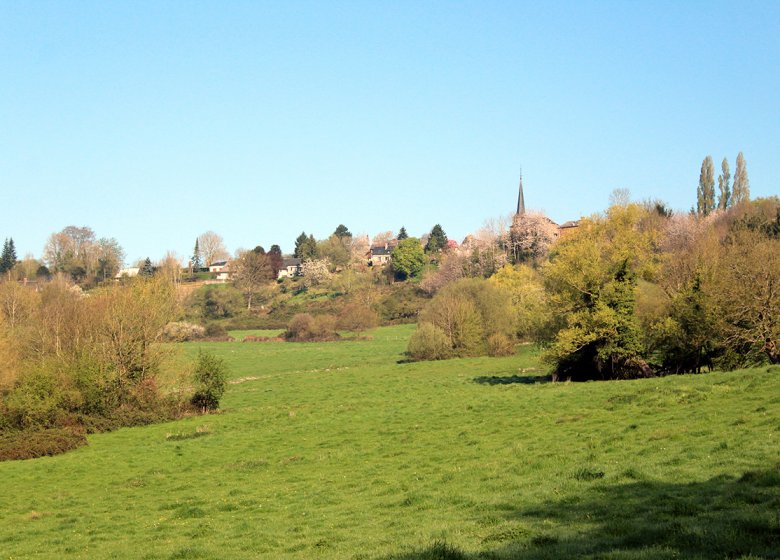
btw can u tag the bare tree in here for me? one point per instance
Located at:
(212, 248)
(251, 271)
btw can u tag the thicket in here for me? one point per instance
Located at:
(636, 291)
(77, 362)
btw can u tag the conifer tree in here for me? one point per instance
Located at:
(196, 258)
(402, 234)
(8, 257)
(741, 189)
(147, 269)
(437, 240)
(724, 201)
(705, 194)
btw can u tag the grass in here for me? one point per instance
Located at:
(342, 450)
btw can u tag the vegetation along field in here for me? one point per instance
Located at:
(346, 450)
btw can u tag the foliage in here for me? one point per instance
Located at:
(534, 319)
(408, 258)
(182, 331)
(741, 189)
(305, 247)
(429, 342)
(210, 377)
(304, 327)
(705, 194)
(39, 443)
(724, 200)
(531, 236)
(342, 231)
(468, 312)
(402, 234)
(8, 256)
(357, 317)
(196, 260)
(251, 271)
(591, 281)
(437, 240)
(315, 272)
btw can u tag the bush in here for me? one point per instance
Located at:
(429, 342)
(210, 381)
(499, 344)
(29, 444)
(181, 331)
(304, 327)
(356, 317)
(474, 317)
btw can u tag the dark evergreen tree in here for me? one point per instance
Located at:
(437, 240)
(147, 269)
(741, 189)
(259, 250)
(8, 257)
(402, 234)
(300, 245)
(705, 194)
(305, 247)
(724, 201)
(197, 261)
(342, 232)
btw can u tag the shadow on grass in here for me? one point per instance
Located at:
(512, 379)
(723, 517)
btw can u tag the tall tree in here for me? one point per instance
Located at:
(212, 248)
(147, 269)
(276, 259)
(408, 258)
(437, 240)
(110, 257)
(724, 201)
(8, 258)
(251, 270)
(402, 234)
(705, 194)
(342, 231)
(741, 190)
(197, 262)
(305, 247)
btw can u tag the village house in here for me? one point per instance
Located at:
(381, 254)
(290, 267)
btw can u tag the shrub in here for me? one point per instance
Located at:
(210, 381)
(499, 344)
(356, 317)
(429, 342)
(29, 444)
(181, 331)
(304, 327)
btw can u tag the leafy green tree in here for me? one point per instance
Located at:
(342, 231)
(408, 258)
(110, 257)
(591, 282)
(402, 234)
(741, 189)
(210, 378)
(724, 200)
(437, 240)
(705, 194)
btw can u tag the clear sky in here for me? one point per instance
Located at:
(153, 122)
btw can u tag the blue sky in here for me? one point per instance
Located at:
(153, 122)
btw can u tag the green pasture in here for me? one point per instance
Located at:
(344, 450)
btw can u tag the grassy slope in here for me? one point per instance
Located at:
(336, 450)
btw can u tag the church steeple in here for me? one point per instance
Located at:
(520, 199)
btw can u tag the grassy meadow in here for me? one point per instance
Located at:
(343, 450)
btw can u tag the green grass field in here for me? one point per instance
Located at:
(342, 450)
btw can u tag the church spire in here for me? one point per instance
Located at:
(520, 199)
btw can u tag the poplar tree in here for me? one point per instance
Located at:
(724, 201)
(741, 190)
(705, 194)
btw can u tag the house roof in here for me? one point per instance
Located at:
(570, 224)
(381, 250)
(219, 263)
(291, 262)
